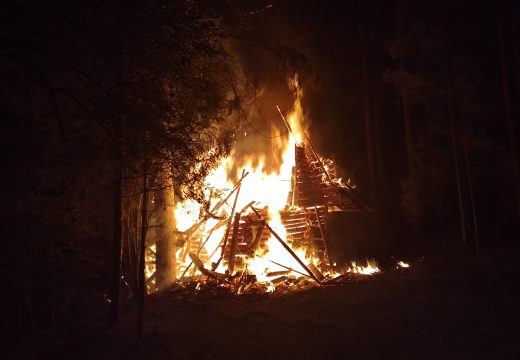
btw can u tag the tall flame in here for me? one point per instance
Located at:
(268, 188)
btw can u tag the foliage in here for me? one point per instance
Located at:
(90, 86)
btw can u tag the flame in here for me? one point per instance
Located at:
(271, 188)
(369, 269)
(402, 264)
(150, 267)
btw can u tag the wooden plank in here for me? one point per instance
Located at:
(258, 237)
(233, 245)
(238, 186)
(200, 266)
(292, 227)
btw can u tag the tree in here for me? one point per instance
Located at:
(507, 78)
(92, 90)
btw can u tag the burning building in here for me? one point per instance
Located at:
(267, 228)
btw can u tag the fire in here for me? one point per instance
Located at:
(266, 190)
(150, 267)
(402, 264)
(369, 269)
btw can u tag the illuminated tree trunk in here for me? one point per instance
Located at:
(370, 137)
(369, 127)
(117, 230)
(165, 247)
(410, 146)
(142, 279)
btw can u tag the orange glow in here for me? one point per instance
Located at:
(267, 189)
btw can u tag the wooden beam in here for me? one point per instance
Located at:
(200, 266)
(258, 236)
(233, 245)
(217, 206)
(289, 250)
(216, 264)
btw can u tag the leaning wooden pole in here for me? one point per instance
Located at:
(239, 185)
(217, 206)
(219, 224)
(286, 247)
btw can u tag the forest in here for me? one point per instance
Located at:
(114, 111)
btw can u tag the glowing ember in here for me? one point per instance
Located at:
(369, 269)
(402, 264)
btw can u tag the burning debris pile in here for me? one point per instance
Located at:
(268, 231)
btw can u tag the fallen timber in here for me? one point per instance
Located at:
(210, 273)
(219, 224)
(286, 247)
(315, 191)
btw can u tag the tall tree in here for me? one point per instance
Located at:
(506, 75)
(84, 82)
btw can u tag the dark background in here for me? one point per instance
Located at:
(56, 192)
(442, 40)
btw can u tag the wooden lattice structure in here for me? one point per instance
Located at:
(313, 192)
(249, 237)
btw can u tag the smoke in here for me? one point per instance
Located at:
(289, 38)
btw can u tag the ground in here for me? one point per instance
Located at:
(448, 306)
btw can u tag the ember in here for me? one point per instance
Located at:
(267, 231)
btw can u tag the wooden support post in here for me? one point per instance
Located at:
(233, 245)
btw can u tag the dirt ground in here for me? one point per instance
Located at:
(442, 307)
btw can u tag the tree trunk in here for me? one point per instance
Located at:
(462, 216)
(117, 231)
(505, 74)
(470, 190)
(370, 140)
(369, 128)
(515, 43)
(142, 280)
(409, 143)
(165, 247)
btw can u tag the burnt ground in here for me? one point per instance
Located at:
(450, 305)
